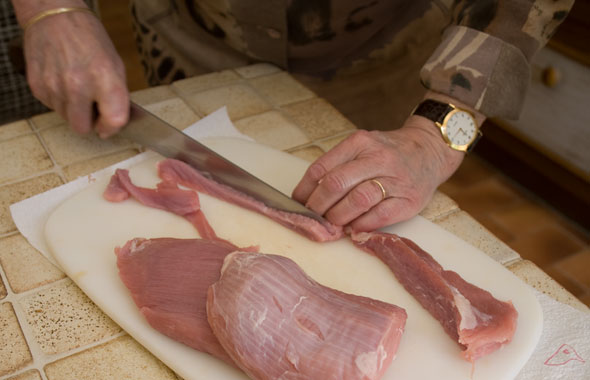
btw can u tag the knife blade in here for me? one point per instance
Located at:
(148, 130)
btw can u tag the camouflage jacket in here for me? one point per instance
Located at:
(482, 59)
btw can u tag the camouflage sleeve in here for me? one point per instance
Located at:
(484, 57)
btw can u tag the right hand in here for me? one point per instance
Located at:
(71, 64)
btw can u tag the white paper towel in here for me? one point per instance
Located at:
(30, 215)
(562, 353)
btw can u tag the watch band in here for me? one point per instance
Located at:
(433, 110)
(437, 112)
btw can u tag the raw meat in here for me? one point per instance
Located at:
(178, 172)
(168, 280)
(470, 315)
(277, 323)
(167, 196)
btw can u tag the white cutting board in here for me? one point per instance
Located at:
(83, 232)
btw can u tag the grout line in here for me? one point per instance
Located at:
(40, 359)
(58, 169)
(513, 261)
(9, 234)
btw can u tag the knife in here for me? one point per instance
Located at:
(148, 130)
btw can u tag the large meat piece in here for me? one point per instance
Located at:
(479, 322)
(168, 280)
(277, 323)
(178, 172)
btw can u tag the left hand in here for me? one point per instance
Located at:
(71, 64)
(410, 163)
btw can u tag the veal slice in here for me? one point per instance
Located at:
(275, 322)
(475, 319)
(179, 172)
(168, 281)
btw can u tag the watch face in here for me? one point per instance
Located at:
(459, 129)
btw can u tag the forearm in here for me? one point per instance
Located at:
(484, 59)
(27, 9)
(525, 24)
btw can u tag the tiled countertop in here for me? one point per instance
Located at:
(48, 328)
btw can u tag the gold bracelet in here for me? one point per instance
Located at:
(51, 12)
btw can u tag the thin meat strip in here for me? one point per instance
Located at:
(168, 281)
(479, 322)
(275, 322)
(178, 172)
(167, 196)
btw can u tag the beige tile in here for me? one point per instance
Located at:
(464, 226)
(121, 358)
(318, 118)
(68, 147)
(546, 245)
(281, 89)
(22, 157)
(16, 192)
(309, 153)
(331, 142)
(271, 128)
(153, 95)
(257, 70)
(46, 120)
(10, 130)
(241, 101)
(24, 266)
(571, 285)
(577, 266)
(32, 374)
(90, 166)
(439, 205)
(14, 351)
(62, 318)
(204, 82)
(507, 236)
(3, 291)
(175, 112)
(532, 275)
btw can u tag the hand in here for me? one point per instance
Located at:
(410, 163)
(71, 63)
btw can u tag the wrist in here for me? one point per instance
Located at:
(427, 134)
(479, 117)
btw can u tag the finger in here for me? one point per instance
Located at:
(59, 107)
(357, 202)
(346, 151)
(339, 182)
(79, 113)
(385, 213)
(113, 108)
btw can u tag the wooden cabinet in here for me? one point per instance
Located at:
(548, 149)
(555, 119)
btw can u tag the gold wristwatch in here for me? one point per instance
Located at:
(457, 126)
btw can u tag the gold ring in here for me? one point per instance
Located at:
(383, 193)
